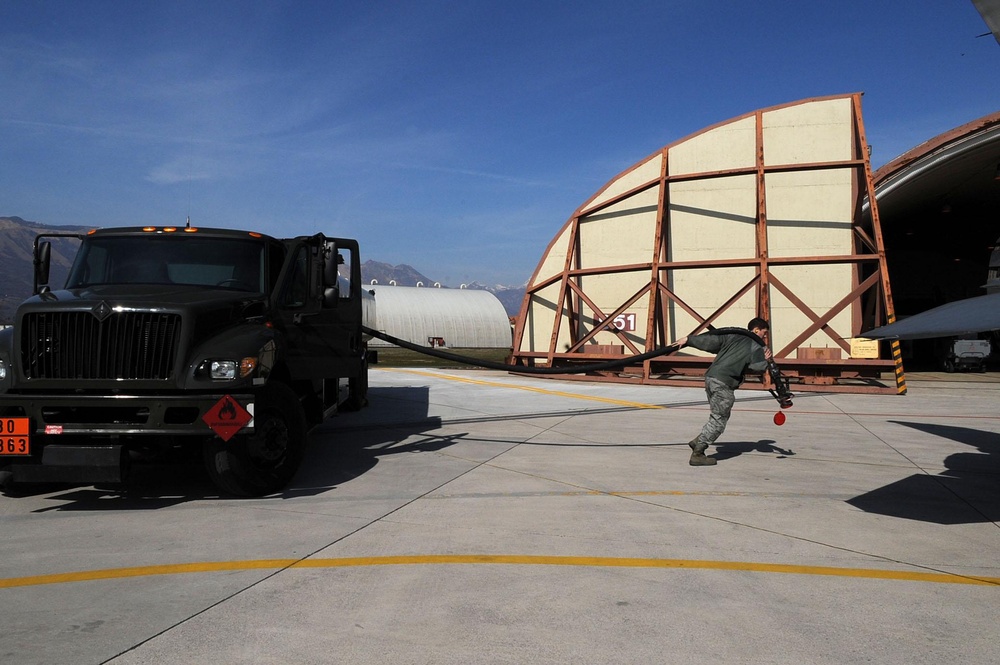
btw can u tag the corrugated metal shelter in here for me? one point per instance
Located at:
(456, 318)
(757, 216)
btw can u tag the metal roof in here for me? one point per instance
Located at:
(956, 171)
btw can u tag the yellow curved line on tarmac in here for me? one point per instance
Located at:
(544, 391)
(494, 559)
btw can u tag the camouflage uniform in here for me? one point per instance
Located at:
(735, 353)
(720, 400)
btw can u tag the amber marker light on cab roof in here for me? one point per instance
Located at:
(149, 229)
(188, 229)
(254, 234)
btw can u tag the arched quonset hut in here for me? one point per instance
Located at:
(757, 216)
(457, 318)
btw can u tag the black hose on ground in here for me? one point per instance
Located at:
(520, 369)
(781, 392)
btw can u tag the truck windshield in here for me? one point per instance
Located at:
(230, 263)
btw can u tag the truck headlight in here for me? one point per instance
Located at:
(223, 370)
(227, 370)
(3, 371)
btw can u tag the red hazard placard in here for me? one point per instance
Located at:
(227, 418)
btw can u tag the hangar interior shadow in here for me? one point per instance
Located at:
(967, 492)
(935, 258)
(937, 205)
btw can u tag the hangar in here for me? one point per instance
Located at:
(456, 318)
(940, 209)
(763, 215)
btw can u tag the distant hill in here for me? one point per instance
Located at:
(17, 236)
(16, 264)
(403, 275)
(385, 273)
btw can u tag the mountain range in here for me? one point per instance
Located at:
(16, 281)
(403, 275)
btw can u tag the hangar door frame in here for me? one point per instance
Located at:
(756, 216)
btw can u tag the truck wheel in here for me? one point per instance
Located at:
(265, 461)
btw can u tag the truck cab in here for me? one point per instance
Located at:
(232, 342)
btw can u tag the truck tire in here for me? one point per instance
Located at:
(263, 462)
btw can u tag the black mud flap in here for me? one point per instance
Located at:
(75, 464)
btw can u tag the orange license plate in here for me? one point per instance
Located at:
(15, 436)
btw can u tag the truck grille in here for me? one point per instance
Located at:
(76, 345)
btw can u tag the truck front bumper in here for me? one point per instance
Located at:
(181, 415)
(86, 438)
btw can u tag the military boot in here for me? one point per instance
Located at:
(697, 445)
(701, 459)
(698, 456)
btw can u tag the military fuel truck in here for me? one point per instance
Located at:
(164, 339)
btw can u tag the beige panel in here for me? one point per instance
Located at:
(554, 261)
(541, 313)
(809, 213)
(620, 234)
(820, 287)
(730, 146)
(608, 293)
(540, 317)
(643, 173)
(713, 219)
(705, 290)
(819, 131)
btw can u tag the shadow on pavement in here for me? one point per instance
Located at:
(724, 451)
(333, 457)
(967, 492)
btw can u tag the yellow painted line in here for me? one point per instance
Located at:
(495, 559)
(543, 391)
(145, 571)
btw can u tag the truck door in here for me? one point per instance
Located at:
(319, 313)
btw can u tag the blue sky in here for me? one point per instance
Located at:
(456, 137)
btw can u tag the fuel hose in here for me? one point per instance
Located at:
(781, 393)
(521, 369)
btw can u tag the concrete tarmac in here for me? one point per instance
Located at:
(479, 517)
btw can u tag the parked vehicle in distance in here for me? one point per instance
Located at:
(966, 354)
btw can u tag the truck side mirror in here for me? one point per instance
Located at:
(43, 261)
(331, 295)
(331, 276)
